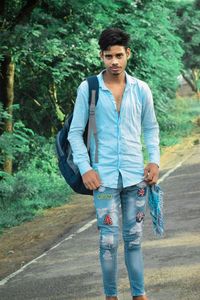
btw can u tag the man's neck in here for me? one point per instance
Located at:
(114, 79)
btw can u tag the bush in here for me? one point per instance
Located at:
(33, 188)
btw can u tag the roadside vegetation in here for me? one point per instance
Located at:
(184, 120)
(47, 48)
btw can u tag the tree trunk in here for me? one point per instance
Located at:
(54, 100)
(7, 97)
(196, 76)
(7, 69)
(190, 82)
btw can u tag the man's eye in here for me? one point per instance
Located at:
(119, 55)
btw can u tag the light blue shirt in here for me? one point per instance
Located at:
(119, 134)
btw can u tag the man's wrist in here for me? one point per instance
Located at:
(154, 163)
(84, 167)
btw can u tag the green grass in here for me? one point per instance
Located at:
(181, 121)
(177, 123)
(27, 194)
(24, 203)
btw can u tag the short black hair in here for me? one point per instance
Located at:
(113, 36)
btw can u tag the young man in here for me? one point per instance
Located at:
(119, 179)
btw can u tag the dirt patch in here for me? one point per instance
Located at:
(171, 155)
(23, 243)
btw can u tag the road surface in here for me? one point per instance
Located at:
(70, 270)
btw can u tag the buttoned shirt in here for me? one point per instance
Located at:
(118, 133)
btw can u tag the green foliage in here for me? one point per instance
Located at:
(179, 122)
(58, 46)
(187, 26)
(54, 49)
(156, 51)
(15, 142)
(36, 183)
(185, 17)
(37, 186)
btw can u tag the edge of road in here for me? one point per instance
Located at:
(172, 159)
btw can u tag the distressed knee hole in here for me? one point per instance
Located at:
(134, 236)
(136, 241)
(136, 229)
(107, 255)
(108, 241)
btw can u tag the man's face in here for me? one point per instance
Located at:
(115, 59)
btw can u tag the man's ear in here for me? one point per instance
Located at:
(128, 53)
(101, 55)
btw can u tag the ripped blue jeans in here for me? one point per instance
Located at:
(132, 201)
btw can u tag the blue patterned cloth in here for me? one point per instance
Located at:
(155, 201)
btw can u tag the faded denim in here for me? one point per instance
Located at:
(132, 201)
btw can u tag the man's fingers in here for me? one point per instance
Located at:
(98, 180)
(90, 185)
(93, 184)
(91, 180)
(148, 176)
(146, 171)
(151, 172)
(153, 180)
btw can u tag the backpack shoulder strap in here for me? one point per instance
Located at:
(93, 84)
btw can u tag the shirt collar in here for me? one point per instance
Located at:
(129, 81)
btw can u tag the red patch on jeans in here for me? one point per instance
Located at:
(141, 192)
(108, 220)
(140, 217)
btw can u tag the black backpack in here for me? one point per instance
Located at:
(66, 165)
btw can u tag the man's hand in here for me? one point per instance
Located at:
(151, 173)
(91, 180)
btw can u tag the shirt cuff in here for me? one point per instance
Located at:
(84, 167)
(154, 160)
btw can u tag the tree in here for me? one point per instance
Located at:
(187, 23)
(18, 32)
(156, 56)
(8, 23)
(55, 46)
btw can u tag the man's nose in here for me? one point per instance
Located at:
(114, 61)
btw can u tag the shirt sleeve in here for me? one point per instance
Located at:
(150, 126)
(78, 124)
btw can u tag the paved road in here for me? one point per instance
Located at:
(172, 265)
